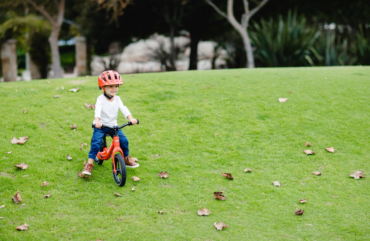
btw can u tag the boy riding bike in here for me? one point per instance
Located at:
(106, 113)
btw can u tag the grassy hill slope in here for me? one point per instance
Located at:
(195, 125)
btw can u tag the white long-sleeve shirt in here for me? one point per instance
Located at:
(108, 111)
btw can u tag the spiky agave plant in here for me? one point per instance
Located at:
(284, 41)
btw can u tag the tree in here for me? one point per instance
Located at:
(55, 17)
(243, 26)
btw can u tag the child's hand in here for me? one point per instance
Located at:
(134, 121)
(98, 124)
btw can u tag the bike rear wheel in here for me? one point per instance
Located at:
(120, 175)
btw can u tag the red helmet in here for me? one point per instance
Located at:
(109, 77)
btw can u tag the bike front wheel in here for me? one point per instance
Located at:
(120, 175)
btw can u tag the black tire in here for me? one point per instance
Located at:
(97, 160)
(120, 175)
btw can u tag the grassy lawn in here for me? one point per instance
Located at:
(200, 124)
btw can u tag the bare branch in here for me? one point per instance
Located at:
(216, 8)
(246, 6)
(42, 11)
(254, 10)
(60, 13)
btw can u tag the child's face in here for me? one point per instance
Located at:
(111, 89)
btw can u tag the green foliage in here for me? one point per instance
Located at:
(286, 42)
(200, 123)
(362, 46)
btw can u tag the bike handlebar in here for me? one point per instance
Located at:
(117, 127)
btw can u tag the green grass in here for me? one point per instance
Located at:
(201, 123)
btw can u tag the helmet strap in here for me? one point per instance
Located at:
(109, 97)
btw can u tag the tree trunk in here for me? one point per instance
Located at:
(248, 50)
(173, 48)
(55, 58)
(194, 41)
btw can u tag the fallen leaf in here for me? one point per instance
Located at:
(2, 206)
(220, 226)
(47, 195)
(276, 183)
(23, 205)
(317, 173)
(56, 96)
(227, 175)
(309, 152)
(22, 166)
(303, 200)
(69, 157)
(57, 88)
(1, 217)
(135, 178)
(331, 149)
(48, 82)
(89, 106)
(335, 196)
(75, 90)
(4, 157)
(21, 140)
(219, 196)
(203, 212)
(133, 189)
(156, 155)
(163, 174)
(132, 75)
(9, 152)
(160, 212)
(73, 127)
(357, 174)
(289, 92)
(299, 212)
(117, 194)
(308, 224)
(44, 184)
(282, 100)
(32, 218)
(22, 227)
(62, 88)
(17, 198)
(307, 144)
(24, 111)
(247, 170)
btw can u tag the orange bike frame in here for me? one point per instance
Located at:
(106, 154)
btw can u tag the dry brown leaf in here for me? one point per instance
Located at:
(73, 126)
(9, 152)
(227, 175)
(219, 196)
(220, 226)
(48, 82)
(47, 195)
(335, 196)
(75, 90)
(90, 106)
(357, 174)
(132, 75)
(163, 174)
(69, 157)
(44, 184)
(2, 206)
(21, 140)
(23, 205)
(17, 198)
(117, 194)
(160, 212)
(62, 88)
(247, 170)
(299, 212)
(307, 144)
(276, 183)
(303, 200)
(133, 189)
(317, 173)
(309, 152)
(308, 224)
(22, 227)
(22, 166)
(1, 217)
(203, 212)
(282, 100)
(156, 155)
(331, 149)
(24, 111)
(56, 96)
(135, 178)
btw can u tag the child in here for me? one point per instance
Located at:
(106, 112)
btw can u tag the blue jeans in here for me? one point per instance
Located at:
(97, 138)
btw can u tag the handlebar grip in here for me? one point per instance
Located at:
(137, 122)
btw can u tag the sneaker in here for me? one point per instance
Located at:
(87, 169)
(130, 163)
